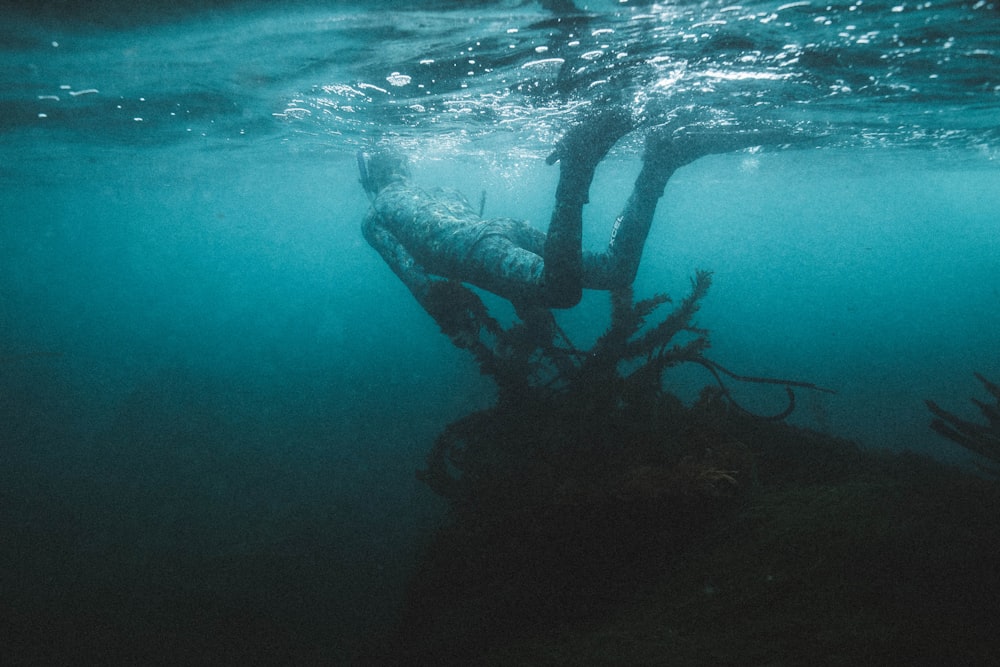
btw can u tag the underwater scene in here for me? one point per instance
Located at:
(273, 392)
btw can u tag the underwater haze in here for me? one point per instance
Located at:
(214, 394)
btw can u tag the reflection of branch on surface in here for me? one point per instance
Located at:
(559, 6)
(983, 440)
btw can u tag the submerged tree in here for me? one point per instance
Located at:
(981, 439)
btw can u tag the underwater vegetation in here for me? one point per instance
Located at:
(983, 440)
(596, 519)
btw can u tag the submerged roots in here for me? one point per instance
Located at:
(594, 425)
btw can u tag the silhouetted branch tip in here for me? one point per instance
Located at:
(982, 439)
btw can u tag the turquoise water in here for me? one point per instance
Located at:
(213, 394)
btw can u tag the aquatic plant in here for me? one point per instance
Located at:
(981, 439)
